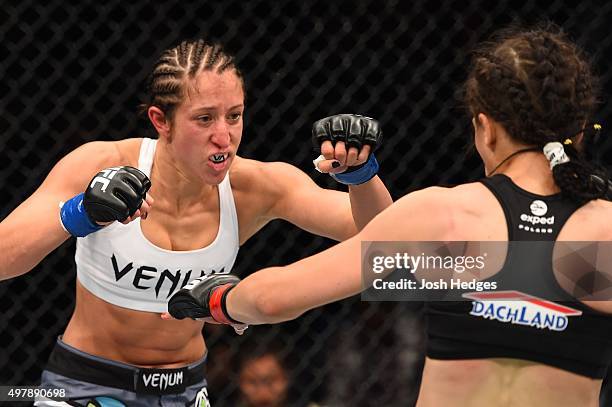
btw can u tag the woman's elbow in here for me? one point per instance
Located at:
(273, 308)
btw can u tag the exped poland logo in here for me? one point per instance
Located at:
(520, 308)
(538, 208)
(536, 222)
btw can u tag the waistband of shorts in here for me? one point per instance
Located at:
(76, 364)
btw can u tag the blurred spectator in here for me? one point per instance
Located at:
(265, 380)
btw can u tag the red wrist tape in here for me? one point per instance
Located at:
(216, 304)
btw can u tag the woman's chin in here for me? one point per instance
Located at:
(214, 177)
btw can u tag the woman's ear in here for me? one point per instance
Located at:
(160, 121)
(489, 134)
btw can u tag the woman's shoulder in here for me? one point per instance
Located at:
(247, 174)
(128, 150)
(110, 153)
(460, 212)
(244, 173)
(591, 221)
(463, 197)
(456, 198)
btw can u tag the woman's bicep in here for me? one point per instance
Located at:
(324, 212)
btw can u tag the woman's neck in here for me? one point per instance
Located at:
(177, 187)
(531, 171)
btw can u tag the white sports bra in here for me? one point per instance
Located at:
(119, 265)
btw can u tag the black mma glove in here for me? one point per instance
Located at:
(205, 297)
(113, 194)
(356, 131)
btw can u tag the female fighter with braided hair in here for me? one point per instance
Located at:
(116, 350)
(531, 94)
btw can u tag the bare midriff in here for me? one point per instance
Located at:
(134, 337)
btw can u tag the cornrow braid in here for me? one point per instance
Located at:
(167, 82)
(213, 57)
(197, 53)
(592, 179)
(182, 52)
(539, 87)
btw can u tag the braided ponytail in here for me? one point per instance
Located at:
(578, 179)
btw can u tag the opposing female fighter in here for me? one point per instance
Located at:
(531, 95)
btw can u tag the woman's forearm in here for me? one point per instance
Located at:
(21, 250)
(368, 200)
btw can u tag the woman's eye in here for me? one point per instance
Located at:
(235, 116)
(204, 119)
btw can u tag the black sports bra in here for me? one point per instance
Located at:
(565, 334)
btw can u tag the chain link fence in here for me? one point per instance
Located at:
(73, 72)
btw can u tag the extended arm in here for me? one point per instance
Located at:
(278, 294)
(282, 293)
